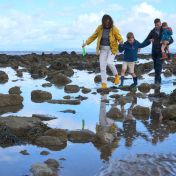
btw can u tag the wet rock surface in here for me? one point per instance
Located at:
(39, 96)
(48, 168)
(3, 77)
(115, 113)
(144, 87)
(10, 100)
(15, 90)
(58, 79)
(72, 89)
(141, 112)
(51, 142)
(142, 164)
(70, 102)
(81, 136)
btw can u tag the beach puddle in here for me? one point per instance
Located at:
(129, 145)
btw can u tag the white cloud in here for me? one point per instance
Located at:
(41, 31)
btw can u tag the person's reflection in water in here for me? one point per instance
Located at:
(106, 131)
(129, 125)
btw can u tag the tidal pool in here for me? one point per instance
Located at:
(149, 136)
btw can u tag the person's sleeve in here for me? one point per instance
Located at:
(169, 31)
(121, 47)
(92, 37)
(150, 36)
(117, 35)
(144, 44)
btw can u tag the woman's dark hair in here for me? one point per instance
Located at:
(105, 18)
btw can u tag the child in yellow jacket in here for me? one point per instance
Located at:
(108, 38)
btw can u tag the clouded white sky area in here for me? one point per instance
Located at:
(64, 24)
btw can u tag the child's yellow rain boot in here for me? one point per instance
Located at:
(104, 86)
(116, 80)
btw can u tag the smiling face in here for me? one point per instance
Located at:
(107, 24)
(158, 25)
(130, 38)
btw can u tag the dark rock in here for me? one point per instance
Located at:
(72, 88)
(3, 77)
(114, 113)
(86, 90)
(67, 97)
(10, 100)
(39, 96)
(50, 142)
(44, 153)
(97, 79)
(141, 112)
(19, 125)
(46, 85)
(24, 152)
(116, 96)
(60, 133)
(44, 117)
(71, 102)
(81, 98)
(172, 97)
(52, 163)
(81, 136)
(15, 90)
(169, 113)
(144, 87)
(104, 91)
(58, 79)
(167, 73)
(69, 111)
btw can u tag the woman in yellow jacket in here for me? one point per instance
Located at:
(107, 46)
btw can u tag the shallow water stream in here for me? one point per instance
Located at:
(148, 136)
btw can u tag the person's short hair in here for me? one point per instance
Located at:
(107, 17)
(164, 24)
(157, 20)
(130, 35)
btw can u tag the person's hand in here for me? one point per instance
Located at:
(151, 40)
(84, 44)
(139, 49)
(121, 42)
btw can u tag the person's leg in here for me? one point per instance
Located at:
(154, 57)
(111, 65)
(103, 65)
(124, 69)
(131, 71)
(163, 49)
(159, 67)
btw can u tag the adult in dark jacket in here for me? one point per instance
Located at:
(156, 35)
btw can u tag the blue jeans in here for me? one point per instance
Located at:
(158, 66)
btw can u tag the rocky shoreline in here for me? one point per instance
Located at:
(57, 70)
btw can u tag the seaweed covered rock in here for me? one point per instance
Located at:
(40, 96)
(3, 77)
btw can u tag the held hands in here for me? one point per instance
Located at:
(121, 42)
(151, 40)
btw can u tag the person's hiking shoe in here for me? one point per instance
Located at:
(164, 56)
(104, 86)
(122, 81)
(116, 80)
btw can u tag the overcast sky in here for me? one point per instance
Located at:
(62, 24)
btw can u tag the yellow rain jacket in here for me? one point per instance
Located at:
(114, 38)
